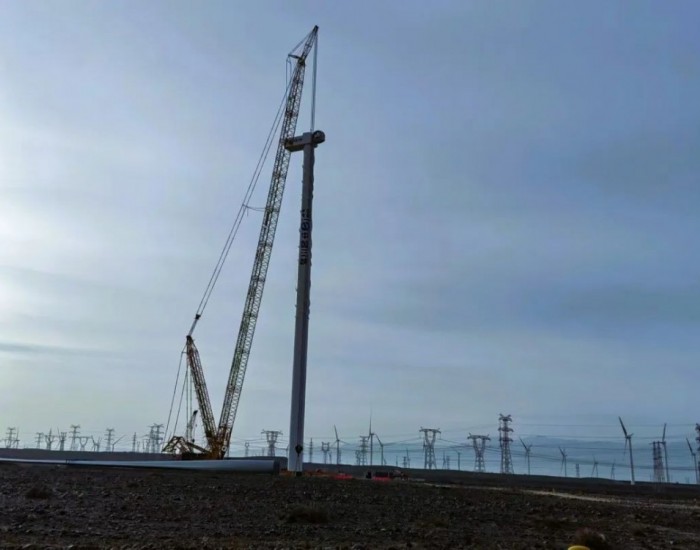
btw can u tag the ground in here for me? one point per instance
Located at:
(59, 507)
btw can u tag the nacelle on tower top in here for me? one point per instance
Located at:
(309, 138)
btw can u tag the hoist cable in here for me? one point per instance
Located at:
(244, 206)
(172, 400)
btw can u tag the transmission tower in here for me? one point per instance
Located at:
(311, 450)
(657, 457)
(74, 433)
(96, 444)
(109, 436)
(326, 450)
(247, 449)
(429, 435)
(612, 470)
(361, 455)
(49, 439)
(594, 471)
(12, 441)
(62, 441)
(459, 461)
(156, 430)
(445, 461)
(371, 440)
(83, 442)
(407, 460)
(271, 437)
(479, 444)
(504, 439)
(39, 439)
(148, 443)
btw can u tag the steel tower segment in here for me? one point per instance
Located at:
(306, 143)
(263, 252)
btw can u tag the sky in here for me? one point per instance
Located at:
(505, 214)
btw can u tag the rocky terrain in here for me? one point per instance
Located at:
(61, 507)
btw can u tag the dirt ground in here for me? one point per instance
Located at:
(59, 507)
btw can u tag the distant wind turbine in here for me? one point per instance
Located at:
(528, 448)
(337, 446)
(663, 444)
(563, 462)
(695, 461)
(628, 444)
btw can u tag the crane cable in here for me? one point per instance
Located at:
(172, 401)
(227, 247)
(239, 217)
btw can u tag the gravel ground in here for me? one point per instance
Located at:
(59, 507)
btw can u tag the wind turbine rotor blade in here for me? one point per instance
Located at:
(663, 437)
(623, 426)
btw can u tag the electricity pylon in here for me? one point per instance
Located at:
(326, 450)
(361, 456)
(657, 457)
(479, 444)
(271, 437)
(504, 439)
(429, 435)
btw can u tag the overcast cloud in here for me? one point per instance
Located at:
(505, 211)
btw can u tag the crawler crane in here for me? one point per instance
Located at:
(218, 437)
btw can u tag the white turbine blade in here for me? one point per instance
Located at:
(623, 426)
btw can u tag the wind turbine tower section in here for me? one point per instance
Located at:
(307, 143)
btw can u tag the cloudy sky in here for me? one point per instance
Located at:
(505, 212)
